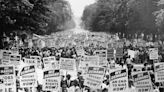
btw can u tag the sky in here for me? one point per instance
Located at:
(79, 5)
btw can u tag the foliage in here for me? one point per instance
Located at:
(23, 15)
(129, 17)
(60, 17)
(33, 16)
(109, 16)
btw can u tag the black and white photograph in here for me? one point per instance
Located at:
(81, 45)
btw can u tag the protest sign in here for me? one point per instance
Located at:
(7, 79)
(159, 72)
(153, 53)
(38, 58)
(137, 68)
(119, 53)
(30, 61)
(67, 64)
(15, 60)
(118, 80)
(15, 50)
(6, 57)
(82, 67)
(1, 54)
(110, 53)
(94, 77)
(91, 60)
(28, 76)
(131, 53)
(102, 57)
(51, 80)
(48, 61)
(142, 82)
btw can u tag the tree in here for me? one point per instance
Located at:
(110, 16)
(61, 16)
(23, 15)
(34, 16)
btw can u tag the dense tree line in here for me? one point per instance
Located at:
(33, 16)
(130, 18)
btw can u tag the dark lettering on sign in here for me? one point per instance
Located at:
(51, 73)
(118, 74)
(27, 70)
(96, 70)
(141, 76)
(7, 70)
(159, 67)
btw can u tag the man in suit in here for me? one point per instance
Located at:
(68, 81)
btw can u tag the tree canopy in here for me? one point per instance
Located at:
(33, 16)
(128, 17)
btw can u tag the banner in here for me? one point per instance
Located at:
(153, 53)
(51, 80)
(67, 64)
(7, 79)
(94, 77)
(142, 82)
(6, 57)
(102, 57)
(119, 53)
(28, 76)
(118, 80)
(48, 61)
(159, 72)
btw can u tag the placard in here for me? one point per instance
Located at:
(30, 61)
(67, 64)
(159, 72)
(110, 53)
(51, 80)
(15, 59)
(102, 57)
(142, 82)
(28, 76)
(94, 77)
(39, 62)
(153, 53)
(48, 61)
(6, 57)
(1, 54)
(118, 80)
(7, 79)
(36, 57)
(119, 53)
(91, 60)
(131, 53)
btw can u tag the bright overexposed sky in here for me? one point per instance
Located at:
(79, 5)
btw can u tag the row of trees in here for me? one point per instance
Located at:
(127, 17)
(34, 16)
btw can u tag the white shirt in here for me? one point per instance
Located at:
(156, 90)
(132, 89)
(71, 89)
